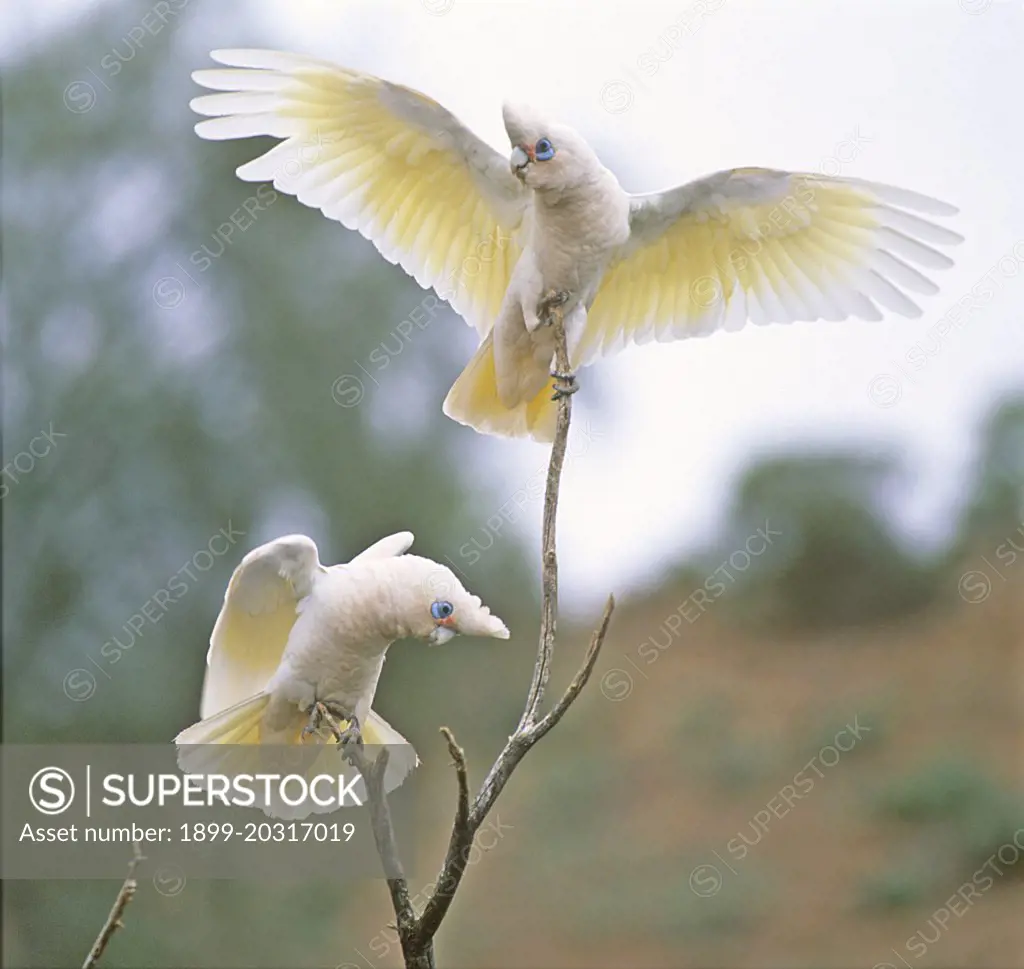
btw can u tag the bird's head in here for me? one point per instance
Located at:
(546, 156)
(435, 606)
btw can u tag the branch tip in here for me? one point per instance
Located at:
(115, 919)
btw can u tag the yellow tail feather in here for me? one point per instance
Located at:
(473, 400)
(230, 743)
(402, 758)
(238, 724)
(223, 743)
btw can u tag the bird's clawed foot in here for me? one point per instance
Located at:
(324, 713)
(565, 384)
(549, 309)
(352, 734)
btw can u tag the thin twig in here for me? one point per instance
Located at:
(579, 681)
(458, 849)
(524, 738)
(113, 923)
(417, 935)
(459, 763)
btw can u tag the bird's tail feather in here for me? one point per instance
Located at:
(238, 724)
(473, 400)
(226, 743)
(402, 758)
(229, 743)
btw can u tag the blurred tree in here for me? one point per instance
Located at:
(183, 357)
(836, 559)
(998, 506)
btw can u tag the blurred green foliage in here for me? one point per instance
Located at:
(961, 817)
(942, 790)
(997, 508)
(837, 560)
(911, 880)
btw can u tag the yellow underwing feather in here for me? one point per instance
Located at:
(768, 246)
(380, 158)
(245, 650)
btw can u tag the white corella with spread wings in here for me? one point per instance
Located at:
(499, 236)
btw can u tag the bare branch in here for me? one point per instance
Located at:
(580, 679)
(384, 834)
(113, 923)
(549, 559)
(524, 738)
(417, 936)
(497, 777)
(459, 763)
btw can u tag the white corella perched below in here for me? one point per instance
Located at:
(298, 644)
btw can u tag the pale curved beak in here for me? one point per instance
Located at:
(441, 635)
(518, 160)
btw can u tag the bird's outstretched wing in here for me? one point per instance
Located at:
(380, 158)
(253, 626)
(765, 246)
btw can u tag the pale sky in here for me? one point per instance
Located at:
(919, 93)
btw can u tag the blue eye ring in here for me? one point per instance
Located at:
(441, 609)
(543, 150)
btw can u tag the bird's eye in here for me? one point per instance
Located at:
(441, 609)
(543, 150)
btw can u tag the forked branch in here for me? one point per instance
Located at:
(417, 934)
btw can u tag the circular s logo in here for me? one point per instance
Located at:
(79, 685)
(348, 390)
(169, 880)
(51, 790)
(705, 881)
(616, 685)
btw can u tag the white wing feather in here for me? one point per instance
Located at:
(380, 158)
